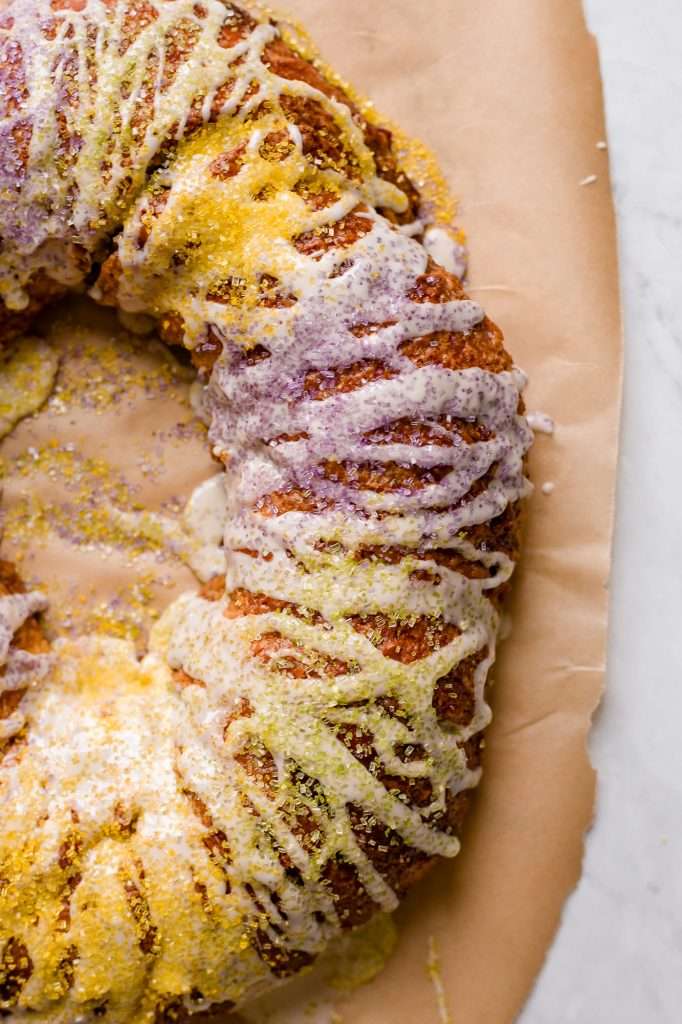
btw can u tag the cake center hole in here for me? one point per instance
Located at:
(107, 504)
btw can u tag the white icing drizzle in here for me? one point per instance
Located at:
(197, 398)
(102, 752)
(204, 521)
(19, 669)
(541, 423)
(132, 743)
(66, 206)
(446, 249)
(73, 204)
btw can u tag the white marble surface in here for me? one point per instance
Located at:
(618, 956)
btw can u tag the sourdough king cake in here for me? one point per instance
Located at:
(301, 741)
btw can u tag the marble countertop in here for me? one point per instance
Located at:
(618, 955)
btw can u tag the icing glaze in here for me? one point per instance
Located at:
(541, 423)
(446, 248)
(19, 670)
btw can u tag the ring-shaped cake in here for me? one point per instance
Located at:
(301, 742)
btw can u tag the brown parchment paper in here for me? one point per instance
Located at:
(507, 94)
(118, 434)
